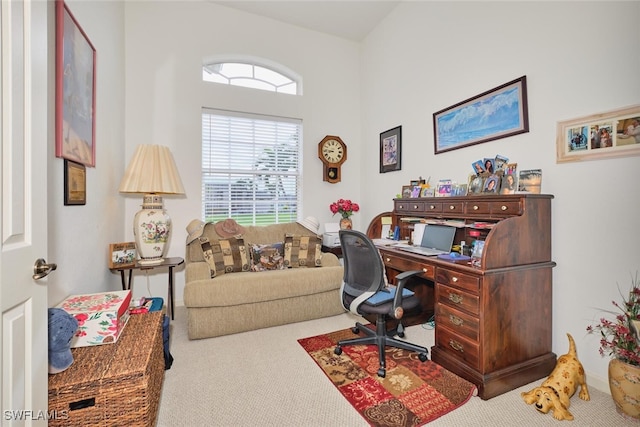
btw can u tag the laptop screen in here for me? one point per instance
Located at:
(438, 237)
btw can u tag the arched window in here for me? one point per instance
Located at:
(253, 74)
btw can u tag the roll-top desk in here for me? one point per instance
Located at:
(493, 322)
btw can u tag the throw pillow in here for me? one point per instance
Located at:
(302, 251)
(225, 256)
(267, 257)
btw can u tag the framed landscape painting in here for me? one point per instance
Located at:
(496, 113)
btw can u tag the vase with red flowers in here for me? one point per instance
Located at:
(620, 339)
(345, 208)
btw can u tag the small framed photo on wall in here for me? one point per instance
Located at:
(390, 150)
(75, 183)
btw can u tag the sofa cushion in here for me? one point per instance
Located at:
(267, 257)
(225, 255)
(302, 251)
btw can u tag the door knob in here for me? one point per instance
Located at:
(42, 269)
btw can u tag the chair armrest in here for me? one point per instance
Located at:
(396, 310)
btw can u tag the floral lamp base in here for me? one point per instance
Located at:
(151, 228)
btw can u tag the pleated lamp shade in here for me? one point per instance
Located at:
(152, 172)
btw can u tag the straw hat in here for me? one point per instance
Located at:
(195, 230)
(311, 223)
(228, 228)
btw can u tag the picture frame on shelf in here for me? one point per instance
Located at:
(426, 192)
(491, 184)
(530, 181)
(75, 90)
(459, 190)
(391, 150)
(509, 184)
(75, 183)
(458, 126)
(415, 191)
(406, 191)
(476, 184)
(614, 133)
(122, 254)
(444, 188)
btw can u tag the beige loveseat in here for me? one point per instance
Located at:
(248, 300)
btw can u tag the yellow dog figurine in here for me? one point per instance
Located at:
(554, 393)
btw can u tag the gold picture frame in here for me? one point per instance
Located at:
(611, 134)
(75, 183)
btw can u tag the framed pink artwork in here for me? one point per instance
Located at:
(75, 90)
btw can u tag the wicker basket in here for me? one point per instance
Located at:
(113, 384)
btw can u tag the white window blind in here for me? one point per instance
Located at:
(250, 167)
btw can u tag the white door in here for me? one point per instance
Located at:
(24, 143)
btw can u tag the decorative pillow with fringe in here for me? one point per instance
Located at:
(225, 255)
(302, 251)
(267, 257)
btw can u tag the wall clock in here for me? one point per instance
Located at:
(333, 153)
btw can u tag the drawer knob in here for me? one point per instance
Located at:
(455, 298)
(432, 207)
(424, 269)
(415, 206)
(454, 279)
(456, 346)
(400, 207)
(503, 207)
(388, 259)
(475, 207)
(452, 207)
(455, 320)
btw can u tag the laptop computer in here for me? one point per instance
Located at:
(436, 240)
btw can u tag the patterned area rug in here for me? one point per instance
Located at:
(413, 393)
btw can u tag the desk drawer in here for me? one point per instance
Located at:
(458, 346)
(458, 299)
(433, 207)
(452, 207)
(403, 264)
(459, 280)
(459, 322)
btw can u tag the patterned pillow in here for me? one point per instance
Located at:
(267, 257)
(225, 256)
(302, 251)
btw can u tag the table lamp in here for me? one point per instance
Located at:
(152, 172)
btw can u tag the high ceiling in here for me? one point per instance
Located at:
(349, 19)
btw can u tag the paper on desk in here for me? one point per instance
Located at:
(386, 229)
(418, 231)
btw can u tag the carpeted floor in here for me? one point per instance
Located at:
(265, 378)
(412, 393)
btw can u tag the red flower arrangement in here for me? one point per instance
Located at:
(346, 208)
(620, 337)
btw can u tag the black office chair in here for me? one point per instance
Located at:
(363, 277)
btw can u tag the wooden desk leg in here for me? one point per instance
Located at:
(171, 292)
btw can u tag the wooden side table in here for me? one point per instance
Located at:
(171, 263)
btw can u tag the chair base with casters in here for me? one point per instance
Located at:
(363, 278)
(382, 338)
